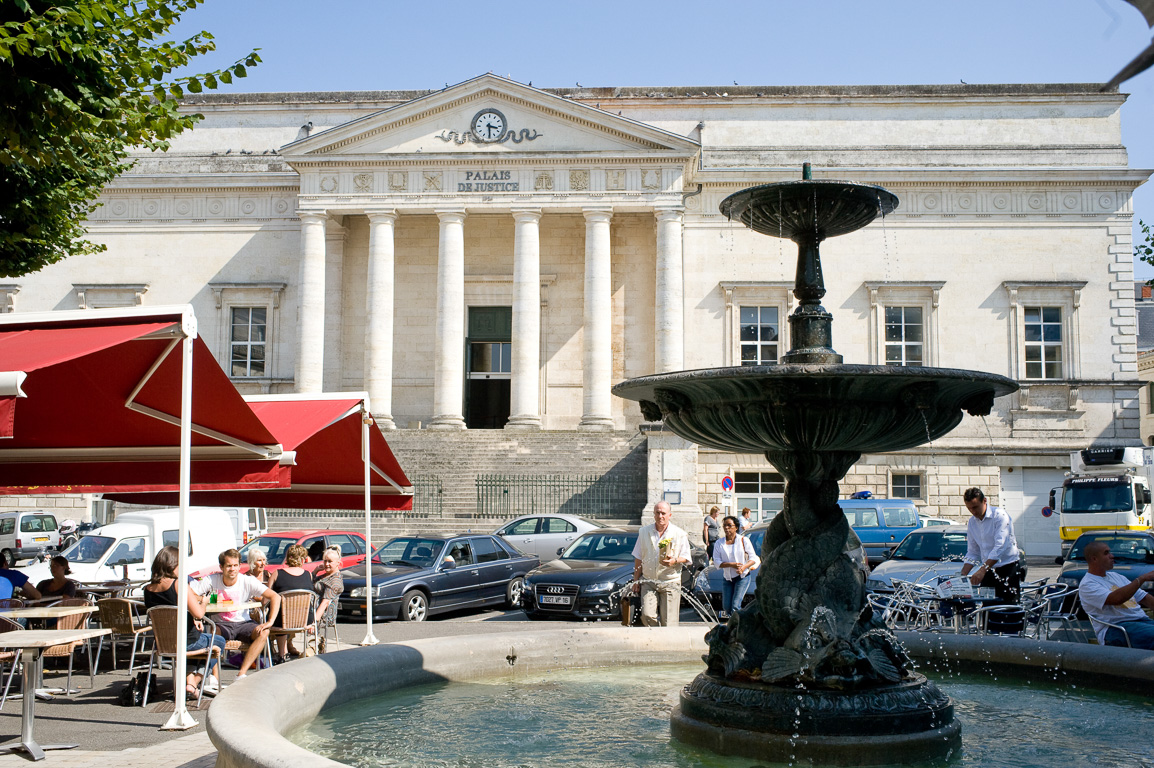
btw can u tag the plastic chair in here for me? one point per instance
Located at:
(75, 621)
(296, 608)
(8, 657)
(163, 620)
(120, 616)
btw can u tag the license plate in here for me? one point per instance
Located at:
(40, 538)
(554, 599)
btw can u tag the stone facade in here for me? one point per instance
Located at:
(360, 231)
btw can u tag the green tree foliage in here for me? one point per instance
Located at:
(81, 83)
(1145, 249)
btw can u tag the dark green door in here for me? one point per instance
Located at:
(488, 367)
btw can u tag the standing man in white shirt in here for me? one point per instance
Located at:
(992, 547)
(1109, 596)
(661, 549)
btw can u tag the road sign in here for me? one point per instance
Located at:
(727, 483)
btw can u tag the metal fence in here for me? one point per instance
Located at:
(428, 496)
(586, 495)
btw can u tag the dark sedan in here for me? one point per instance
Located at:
(415, 577)
(1133, 555)
(586, 581)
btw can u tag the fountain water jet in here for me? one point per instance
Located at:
(807, 672)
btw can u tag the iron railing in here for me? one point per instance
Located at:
(428, 496)
(605, 496)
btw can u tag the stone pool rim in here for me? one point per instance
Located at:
(247, 721)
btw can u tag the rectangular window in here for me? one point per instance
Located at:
(1043, 326)
(1150, 397)
(904, 336)
(248, 341)
(759, 335)
(762, 492)
(491, 357)
(905, 486)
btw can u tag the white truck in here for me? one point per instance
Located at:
(1106, 489)
(127, 546)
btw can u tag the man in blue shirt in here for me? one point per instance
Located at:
(18, 579)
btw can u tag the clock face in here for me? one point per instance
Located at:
(488, 125)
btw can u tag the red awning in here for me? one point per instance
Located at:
(97, 407)
(328, 473)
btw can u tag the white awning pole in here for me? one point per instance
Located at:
(181, 719)
(367, 424)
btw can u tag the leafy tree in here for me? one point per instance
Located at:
(81, 83)
(1145, 249)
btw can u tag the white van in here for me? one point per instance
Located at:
(25, 532)
(127, 546)
(248, 522)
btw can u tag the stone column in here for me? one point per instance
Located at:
(379, 317)
(525, 387)
(335, 234)
(597, 413)
(311, 292)
(669, 311)
(449, 348)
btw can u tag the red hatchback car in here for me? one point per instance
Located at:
(350, 543)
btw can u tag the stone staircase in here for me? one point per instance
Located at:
(454, 460)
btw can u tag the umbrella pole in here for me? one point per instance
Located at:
(366, 425)
(181, 719)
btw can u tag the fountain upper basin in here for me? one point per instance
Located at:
(848, 408)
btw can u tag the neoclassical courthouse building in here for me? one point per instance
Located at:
(495, 256)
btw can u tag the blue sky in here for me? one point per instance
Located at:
(345, 45)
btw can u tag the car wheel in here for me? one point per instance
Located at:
(414, 606)
(513, 592)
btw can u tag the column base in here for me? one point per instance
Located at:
(524, 423)
(596, 424)
(384, 421)
(447, 422)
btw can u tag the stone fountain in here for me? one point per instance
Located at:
(807, 672)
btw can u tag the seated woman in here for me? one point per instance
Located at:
(329, 584)
(258, 566)
(161, 590)
(292, 576)
(59, 586)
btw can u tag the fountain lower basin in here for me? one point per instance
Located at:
(291, 695)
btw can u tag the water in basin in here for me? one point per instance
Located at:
(619, 717)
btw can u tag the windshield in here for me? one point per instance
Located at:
(615, 547)
(275, 547)
(88, 550)
(1098, 494)
(931, 545)
(1125, 548)
(410, 551)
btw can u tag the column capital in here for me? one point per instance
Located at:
(598, 214)
(526, 214)
(669, 212)
(313, 217)
(455, 214)
(385, 214)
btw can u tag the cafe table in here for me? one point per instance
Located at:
(32, 644)
(45, 612)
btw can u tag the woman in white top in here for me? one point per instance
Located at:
(734, 554)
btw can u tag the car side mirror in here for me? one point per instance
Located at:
(1053, 500)
(448, 564)
(1059, 560)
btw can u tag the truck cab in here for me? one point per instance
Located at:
(1107, 489)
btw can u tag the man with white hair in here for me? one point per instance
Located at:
(661, 550)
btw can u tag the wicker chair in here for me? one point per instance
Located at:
(163, 620)
(9, 603)
(75, 621)
(297, 606)
(241, 646)
(8, 657)
(120, 616)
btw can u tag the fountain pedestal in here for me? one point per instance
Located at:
(807, 672)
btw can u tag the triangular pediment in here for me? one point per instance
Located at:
(490, 116)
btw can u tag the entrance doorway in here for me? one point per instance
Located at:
(489, 366)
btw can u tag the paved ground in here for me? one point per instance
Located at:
(111, 736)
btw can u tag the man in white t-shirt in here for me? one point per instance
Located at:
(661, 549)
(231, 586)
(1109, 596)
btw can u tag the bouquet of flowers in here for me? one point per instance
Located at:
(665, 544)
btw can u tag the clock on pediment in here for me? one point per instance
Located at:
(488, 125)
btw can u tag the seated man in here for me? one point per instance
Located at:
(232, 586)
(1108, 596)
(19, 580)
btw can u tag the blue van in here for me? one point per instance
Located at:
(881, 524)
